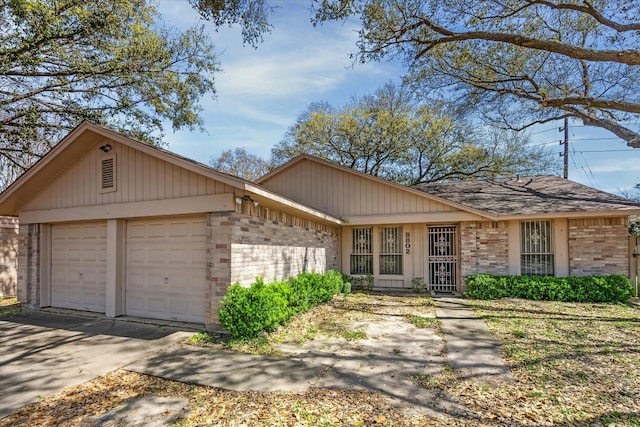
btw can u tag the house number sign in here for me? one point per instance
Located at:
(407, 243)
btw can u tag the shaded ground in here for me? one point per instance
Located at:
(42, 353)
(573, 364)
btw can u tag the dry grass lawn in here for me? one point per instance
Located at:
(574, 364)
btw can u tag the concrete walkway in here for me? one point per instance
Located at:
(471, 349)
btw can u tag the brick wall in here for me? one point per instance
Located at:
(8, 256)
(467, 258)
(254, 242)
(598, 246)
(484, 248)
(29, 247)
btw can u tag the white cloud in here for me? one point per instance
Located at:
(295, 60)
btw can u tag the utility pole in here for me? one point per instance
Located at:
(566, 147)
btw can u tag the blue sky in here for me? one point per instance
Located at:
(261, 92)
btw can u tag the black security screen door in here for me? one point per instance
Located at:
(443, 259)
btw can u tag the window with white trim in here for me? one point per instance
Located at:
(536, 248)
(391, 250)
(362, 251)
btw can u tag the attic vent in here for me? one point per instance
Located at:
(108, 174)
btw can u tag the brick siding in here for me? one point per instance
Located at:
(598, 246)
(29, 247)
(484, 248)
(255, 242)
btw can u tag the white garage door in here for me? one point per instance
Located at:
(78, 266)
(167, 268)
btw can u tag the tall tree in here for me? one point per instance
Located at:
(251, 15)
(110, 61)
(522, 61)
(240, 162)
(393, 135)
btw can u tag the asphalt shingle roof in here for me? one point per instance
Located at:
(528, 195)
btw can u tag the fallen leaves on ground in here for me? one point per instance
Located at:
(573, 364)
(213, 406)
(8, 301)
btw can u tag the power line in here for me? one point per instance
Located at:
(551, 142)
(596, 139)
(543, 131)
(606, 151)
(565, 155)
(580, 169)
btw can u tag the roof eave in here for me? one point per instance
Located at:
(255, 189)
(571, 214)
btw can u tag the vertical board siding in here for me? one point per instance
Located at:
(140, 177)
(344, 194)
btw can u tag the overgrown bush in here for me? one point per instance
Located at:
(247, 312)
(613, 288)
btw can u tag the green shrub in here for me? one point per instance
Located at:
(300, 296)
(612, 288)
(346, 288)
(247, 312)
(485, 286)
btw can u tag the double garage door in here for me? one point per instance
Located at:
(165, 267)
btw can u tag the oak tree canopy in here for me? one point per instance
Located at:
(521, 62)
(111, 61)
(394, 135)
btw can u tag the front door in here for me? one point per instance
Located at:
(442, 259)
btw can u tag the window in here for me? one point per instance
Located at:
(536, 248)
(108, 173)
(391, 250)
(362, 251)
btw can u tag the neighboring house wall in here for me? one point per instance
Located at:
(634, 262)
(484, 249)
(257, 242)
(598, 246)
(8, 256)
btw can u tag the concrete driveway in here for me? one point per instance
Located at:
(41, 353)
